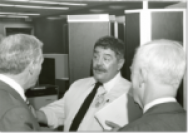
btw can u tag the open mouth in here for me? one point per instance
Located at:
(99, 71)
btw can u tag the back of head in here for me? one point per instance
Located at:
(116, 45)
(17, 52)
(164, 59)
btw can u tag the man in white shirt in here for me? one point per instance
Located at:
(157, 70)
(108, 59)
(20, 64)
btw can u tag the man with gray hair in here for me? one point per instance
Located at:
(20, 64)
(157, 70)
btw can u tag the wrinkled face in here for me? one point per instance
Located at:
(105, 64)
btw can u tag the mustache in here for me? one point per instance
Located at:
(99, 68)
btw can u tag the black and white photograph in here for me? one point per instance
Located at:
(93, 66)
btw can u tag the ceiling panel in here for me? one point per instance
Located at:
(115, 7)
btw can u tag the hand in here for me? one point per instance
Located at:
(115, 127)
(41, 117)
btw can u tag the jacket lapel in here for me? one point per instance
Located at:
(10, 90)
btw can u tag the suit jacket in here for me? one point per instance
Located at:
(14, 112)
(162, 117)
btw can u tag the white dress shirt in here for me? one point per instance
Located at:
(109, 85)
(63, 111)
(158, 101)
(13, 84)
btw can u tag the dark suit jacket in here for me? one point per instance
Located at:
(14, 112)
(162, 117)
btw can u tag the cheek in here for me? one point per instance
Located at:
(135, 95)
(134, 85)
(112, 67)
(37, 71)
(93, 64)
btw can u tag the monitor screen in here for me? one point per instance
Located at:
(47, 74)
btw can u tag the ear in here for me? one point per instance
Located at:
(120, 63)
(31, 68)
(142, 82)
(143, 74)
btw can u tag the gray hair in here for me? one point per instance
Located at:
(112, 43)
(165, 59)
(18, 51)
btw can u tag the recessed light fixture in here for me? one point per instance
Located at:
(13, 16)
(35, 7)
(96, 10)
(19, 13)
(50, 2)
(116, 7)
(18, 0)
(54, 18)
(42, 7)
(6, 5)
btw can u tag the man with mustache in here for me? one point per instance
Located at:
(76, 110)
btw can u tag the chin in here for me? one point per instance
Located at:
(98, 78)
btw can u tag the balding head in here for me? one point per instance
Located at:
(160, 62)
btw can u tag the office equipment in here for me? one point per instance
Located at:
(46, 87)
(143, 26)
(47, 74)
(42, 96)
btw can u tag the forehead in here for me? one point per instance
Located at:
(104, 50)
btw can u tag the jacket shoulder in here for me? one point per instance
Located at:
(137, 125)
(18, 119)
(158, 122)
(6, 101)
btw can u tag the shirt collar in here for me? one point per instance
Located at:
(158, 101)
(109, 85)
(12, 83)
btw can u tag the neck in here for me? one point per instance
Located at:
(156, 90)
(19, 78)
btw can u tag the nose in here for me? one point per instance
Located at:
(99, 61)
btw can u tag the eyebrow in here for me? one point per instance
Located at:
(96, 52)
(108, 55)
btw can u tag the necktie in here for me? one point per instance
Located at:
(83, 109)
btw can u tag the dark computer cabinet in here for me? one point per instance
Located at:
(143, 26)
